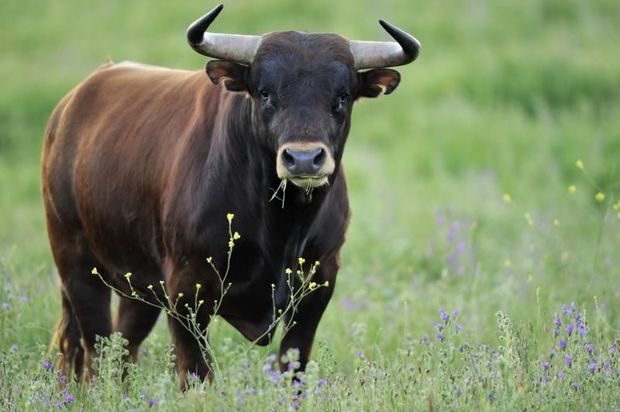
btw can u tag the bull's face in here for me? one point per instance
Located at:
(303, 87)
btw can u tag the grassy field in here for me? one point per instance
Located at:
(482, 263)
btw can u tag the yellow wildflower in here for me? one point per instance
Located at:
(579, 164)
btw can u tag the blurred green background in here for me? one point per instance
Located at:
(505, 97)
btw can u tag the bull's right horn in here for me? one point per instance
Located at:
(233, 47)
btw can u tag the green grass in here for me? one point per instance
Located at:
(504, 99)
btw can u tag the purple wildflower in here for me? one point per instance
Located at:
(48, 365)
(568, 360)
(274, 376)
(440, 337)
(569, 329)
(545, 378)
(439, 327)
(5, 306)
(272, 358)
(545, 365)
(576, 386)
(24, 298)
(14, 347)
(444, 315)
(560, 375)
(592, 367)
(562, 344)
(152, 403)
(557, 321)
(589, 347)
(69, 398)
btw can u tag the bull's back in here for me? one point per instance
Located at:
(110, 149)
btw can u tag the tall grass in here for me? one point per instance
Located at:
(461, 185)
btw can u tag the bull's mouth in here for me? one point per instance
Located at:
(308, 182)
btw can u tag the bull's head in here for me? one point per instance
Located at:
(303, 87)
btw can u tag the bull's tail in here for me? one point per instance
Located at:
(66, 341)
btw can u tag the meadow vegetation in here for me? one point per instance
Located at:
(483, 256)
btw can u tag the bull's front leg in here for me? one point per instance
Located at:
(188, 321)
(304, 321)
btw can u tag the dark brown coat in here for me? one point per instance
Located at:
(141, 166)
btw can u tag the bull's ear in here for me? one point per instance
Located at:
(234, 75)
(373, 82)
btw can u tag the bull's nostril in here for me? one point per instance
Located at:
(288, 159)
(319, 159)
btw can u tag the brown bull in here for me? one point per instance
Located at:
(141, 166)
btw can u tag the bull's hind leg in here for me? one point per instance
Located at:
(86, 302)
(134, 321)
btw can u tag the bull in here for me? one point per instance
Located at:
(142, 164)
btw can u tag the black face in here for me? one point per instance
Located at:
(303, 87)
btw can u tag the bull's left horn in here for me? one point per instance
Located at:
(373, 54)
(234, 47)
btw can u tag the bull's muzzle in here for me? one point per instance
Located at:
(306, 165)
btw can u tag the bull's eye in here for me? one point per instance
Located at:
(341, 102)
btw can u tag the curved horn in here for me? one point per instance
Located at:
(235, 47)
(372, 54)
